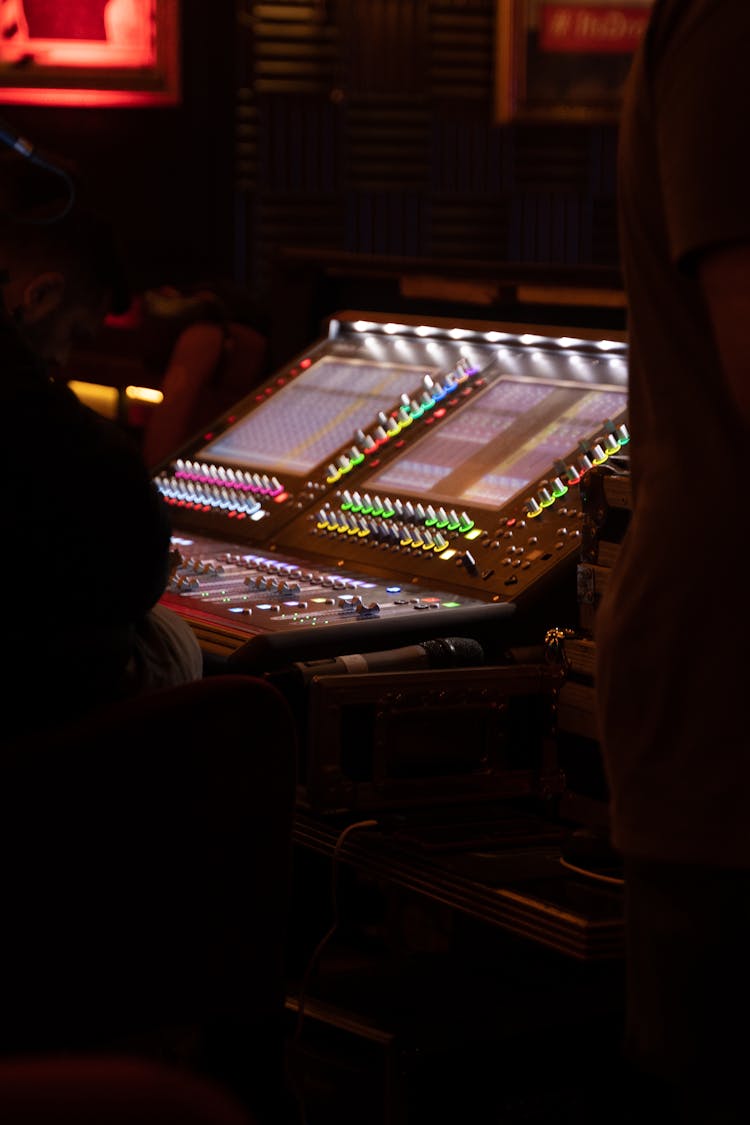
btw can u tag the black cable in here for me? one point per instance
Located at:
(302, 995)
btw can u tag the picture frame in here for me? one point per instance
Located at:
(90, 52)
(558, 61)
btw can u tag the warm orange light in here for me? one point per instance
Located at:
(104, 400)
(145, 394)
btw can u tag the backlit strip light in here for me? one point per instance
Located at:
(525, 339)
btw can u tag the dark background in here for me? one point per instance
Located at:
(355, 128)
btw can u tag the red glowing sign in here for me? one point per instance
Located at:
(590, 27)
(565, 61)
(89, 52)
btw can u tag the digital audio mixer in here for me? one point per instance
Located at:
(400, 479)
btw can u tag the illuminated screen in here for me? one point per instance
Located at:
(499, 442)
(314, 415)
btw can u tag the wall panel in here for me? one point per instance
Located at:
(384, 109)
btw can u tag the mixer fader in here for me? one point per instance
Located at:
(260, 608)
(280, 450)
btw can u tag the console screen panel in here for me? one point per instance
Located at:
(499, 442)
(314, 415)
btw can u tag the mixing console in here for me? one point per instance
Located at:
(396, 474)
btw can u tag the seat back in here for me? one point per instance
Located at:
(90, 1090)
(210, 368)
(145, 857)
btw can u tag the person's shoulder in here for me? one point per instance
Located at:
(86, 435)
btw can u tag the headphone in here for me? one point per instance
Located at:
(24, 147)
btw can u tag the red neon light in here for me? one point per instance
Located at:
(78, 32)
(88, 52)
(37, 95)
(597, 28)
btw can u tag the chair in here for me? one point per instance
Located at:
(211, 367)
(90, 1090)
(146, 855)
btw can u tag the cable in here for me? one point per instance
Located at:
(70, 186)
(342, 837)
(592, 874)
(28, 151)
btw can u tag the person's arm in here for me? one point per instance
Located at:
(724, 275)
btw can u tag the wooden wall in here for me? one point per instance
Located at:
(367, 126)
(362, 127)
